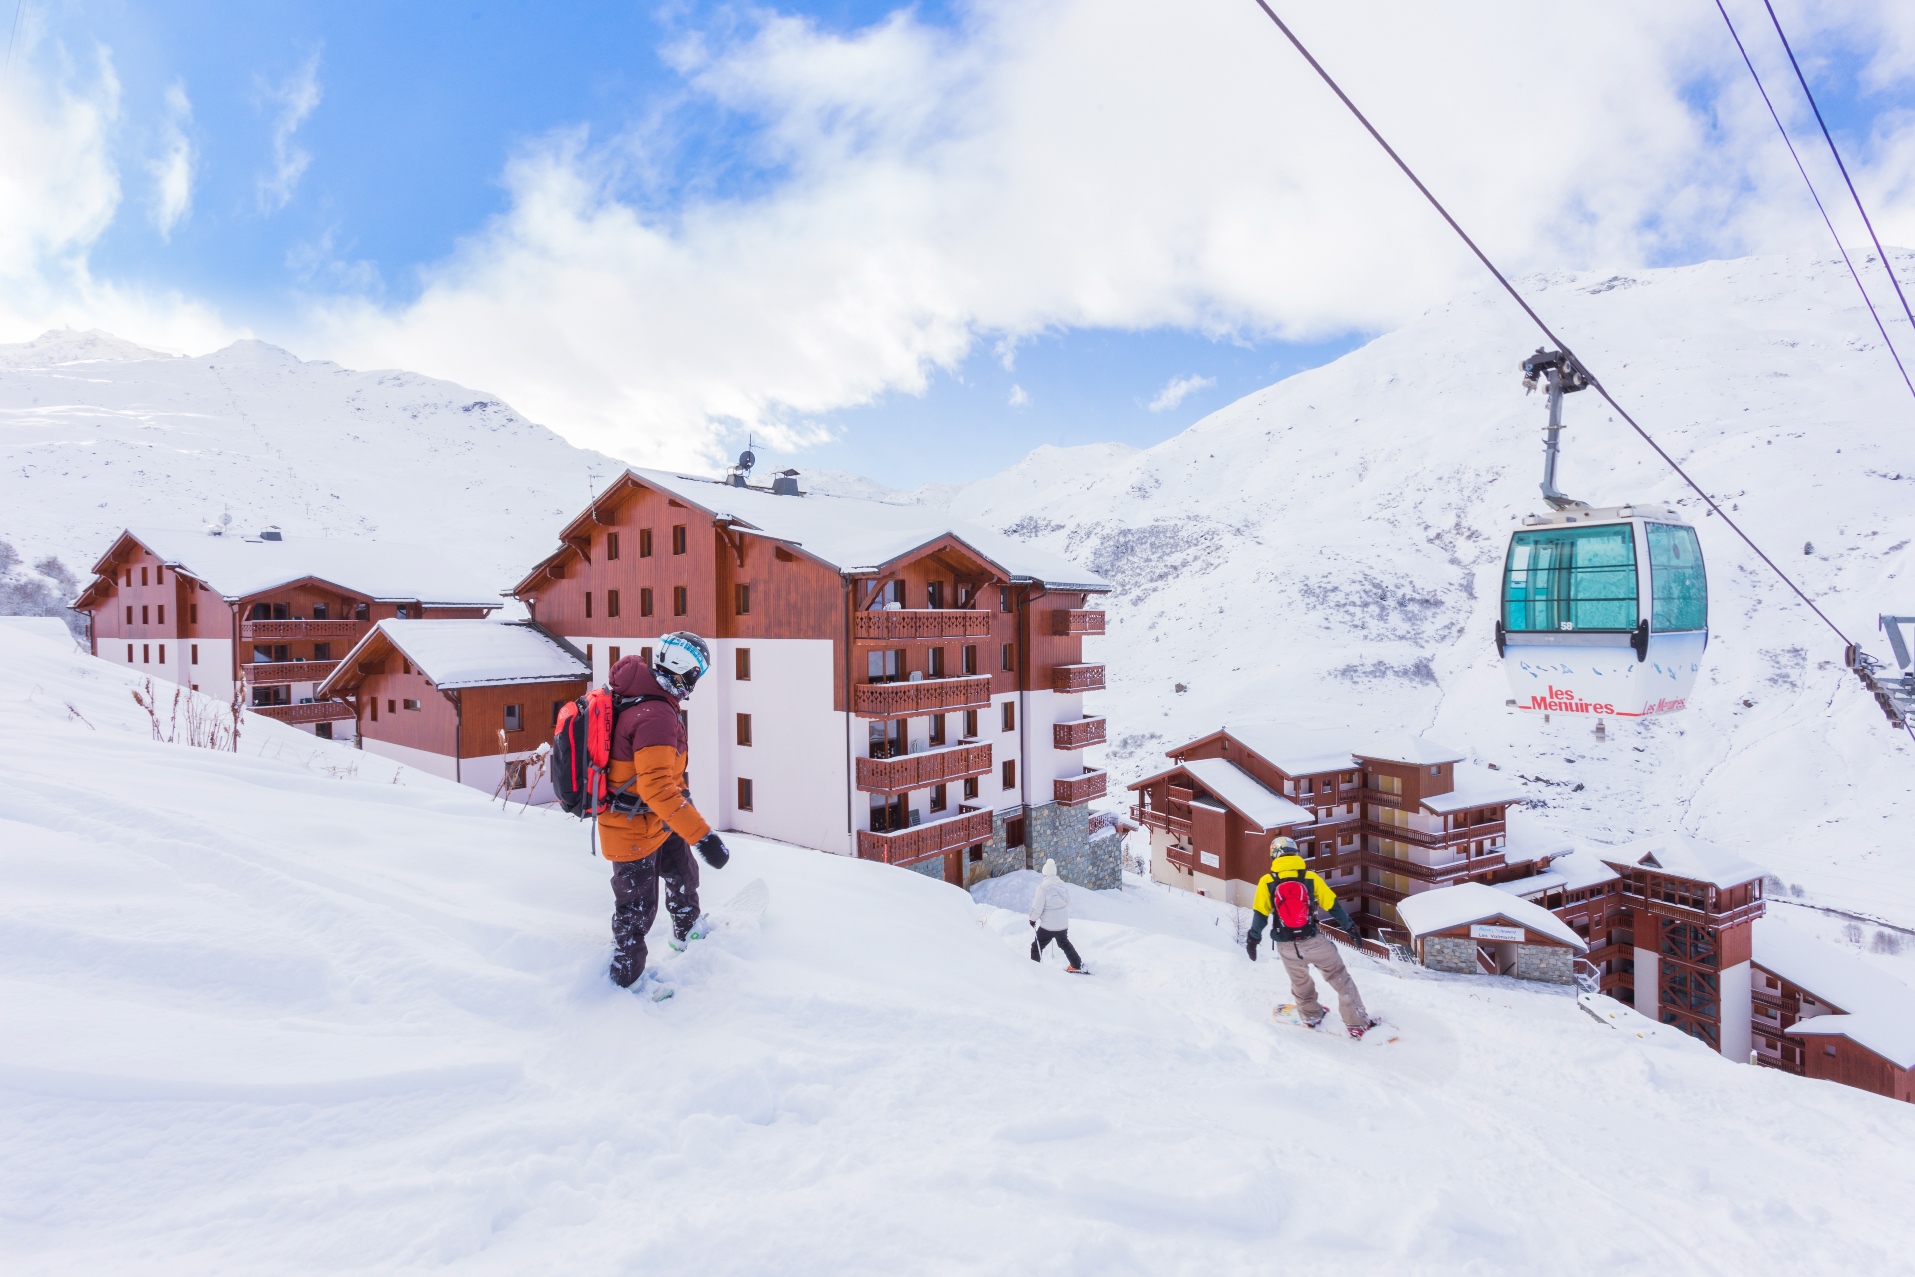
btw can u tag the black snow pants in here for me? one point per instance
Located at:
(635, 903)
(1063, 939)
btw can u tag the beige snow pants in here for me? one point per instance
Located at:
(1321, 952)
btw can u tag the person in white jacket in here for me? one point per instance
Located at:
(1051, 915)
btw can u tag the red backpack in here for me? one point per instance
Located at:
(582, 756)
(1290, 906)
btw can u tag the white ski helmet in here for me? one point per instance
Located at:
(1285, 846)
(680, 661)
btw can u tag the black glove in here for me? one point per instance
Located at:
(1033, 922)
(1250, 947)
(712, 848)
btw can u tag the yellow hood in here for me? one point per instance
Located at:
(1293, 865)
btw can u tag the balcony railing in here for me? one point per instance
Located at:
(921, 771)
(1078, 733)
(318, 712)
(259, 673)
(1151, 818)
(302, 629)
(1077, 678)
(904, 624)
(1383, 797)
(921, 842)
(1073, 791)
(924, 696)
(1081, 621)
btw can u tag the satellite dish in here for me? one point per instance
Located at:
(746, 460)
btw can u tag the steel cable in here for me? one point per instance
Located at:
(1537, 319)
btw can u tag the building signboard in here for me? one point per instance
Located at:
(1484, 931)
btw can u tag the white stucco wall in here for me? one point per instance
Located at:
(487, 773)
(1648, 981)
(1738, 1035)
(797, 761)
(424, 760)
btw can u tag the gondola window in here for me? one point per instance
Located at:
(1571, 579)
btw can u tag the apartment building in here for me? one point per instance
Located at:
(888, 682)
(270, 614)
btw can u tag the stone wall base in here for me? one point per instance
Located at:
(1547, 962)
(1454, 954)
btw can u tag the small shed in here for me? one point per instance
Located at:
(1472, 928)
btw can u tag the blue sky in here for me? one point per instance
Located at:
(396, 159)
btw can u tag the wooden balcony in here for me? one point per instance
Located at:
(318, 712)
(913, 699)
(260, 673)
(1074, 791)
(1382, 797)
(1078, 733)
(903, 625)
(1081, 621)
(1077, 678)
(296, 630)
(921, 842)
(921, 771)
(1150, 818)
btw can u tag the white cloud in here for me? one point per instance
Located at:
(1177, 389)
(173, 169)
(1018, 398)
(295, 99)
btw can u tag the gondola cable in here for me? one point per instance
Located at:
(1814, 195)
(1594, 382)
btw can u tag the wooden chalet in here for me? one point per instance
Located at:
(269, 614)
(1821, 1012)
(887, 682)
(473, 701)
(1472, 928)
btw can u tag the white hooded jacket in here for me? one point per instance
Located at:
(1051, 906)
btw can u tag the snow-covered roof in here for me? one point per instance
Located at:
(238, 566)
(855, 535)
(1684, 857)
(1524, 844)
(1291, 751)
(1418, 750)
(1476, 788)
(1891, 1037)
(470, 653)
(1833, 975)
(1534, 885)
(1570, 869)
(1240, 791)
(1467, 902)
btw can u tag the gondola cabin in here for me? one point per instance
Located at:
(1605, 611)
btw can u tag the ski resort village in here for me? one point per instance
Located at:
(958, 639)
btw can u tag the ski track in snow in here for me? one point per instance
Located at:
(296, 1010)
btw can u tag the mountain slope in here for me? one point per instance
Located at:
(1327, 552)
(377, 1036)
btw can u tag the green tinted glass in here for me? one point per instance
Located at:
(1571, 579)
(1678, 584)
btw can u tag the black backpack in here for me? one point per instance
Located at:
(582, 756)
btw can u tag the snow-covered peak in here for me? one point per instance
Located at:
(60, 346)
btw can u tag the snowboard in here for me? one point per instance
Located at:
(1287, 1014)
(743, 910)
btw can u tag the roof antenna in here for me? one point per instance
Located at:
(738, 475)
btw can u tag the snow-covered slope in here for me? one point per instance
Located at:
(1327, 552)
(98, 434)
(267, 1013)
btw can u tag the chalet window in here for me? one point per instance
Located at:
(403, 612)
(162, 614)
(1009, 712)
(588, 654)
(644, 543)
(375, 709)
(1009, 770)
(939, 798)
(142, 576)
(129, 578)
(678, 538)
(744, 729)
(556, 707)
(278, 694)
(612, 655)
(741, 664)
(935, 664)
(159, 575)
(515, 774)
(884, 666)
(611, 603)
(1003, 598)
(970, 727)
(888, 815)
(162, 654)
(361, 612)
(611, 545)
(392, 706)
(1010, 657)
(515, 722)
(970, 788)
(964, 596)
(887, 739)
(322, 651)
(145, 612)
(1436, 771)
(321, 611)
(678, 600)
(192, 614)
(969, 662)
(588, 605)
(934, 594)
(129, 653)
(403, 663)
(741, 603)
(1014, 832)
(409, 704)
(895, 593)
(976, 855)
(645, 657)
(645, 601)
(744, 794)
(129, 614)
(937, 729)
(1307, 784)
(195, 654)
(146, 653)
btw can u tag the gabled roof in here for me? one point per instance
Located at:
(239, 567)
(1569, 870)
(1476, 789)
(458, 654)
(1290, 750)
(1681, 856)
(1418, 751)
(1891, 1037)
(1238, 790)
(1834, 976)
(1445, 907)
(851, 535)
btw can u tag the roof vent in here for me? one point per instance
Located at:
(738, 474)
(270, 533)
(220, 529)
(785, 484)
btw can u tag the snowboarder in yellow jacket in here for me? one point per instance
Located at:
(1289, 898)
